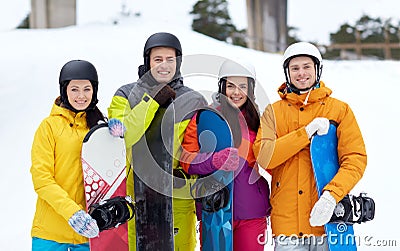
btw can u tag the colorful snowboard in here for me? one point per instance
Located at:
(214, 135)
(152, 165)
(103, 163)
(325, 163)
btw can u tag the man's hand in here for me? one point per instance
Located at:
(165, 95)
(319, 126)
(116, 128)
(322, 210)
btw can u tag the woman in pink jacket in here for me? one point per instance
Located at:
(235, 100)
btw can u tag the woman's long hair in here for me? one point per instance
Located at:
(250, 108)
(94, 116)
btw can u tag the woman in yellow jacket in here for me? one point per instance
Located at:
(60, 222)
(282, 147)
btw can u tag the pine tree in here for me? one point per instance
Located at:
(211, 18)
(292, 35)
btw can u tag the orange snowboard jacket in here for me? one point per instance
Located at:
(282, 147)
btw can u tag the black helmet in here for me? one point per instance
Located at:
(160, 39)
(78, 69)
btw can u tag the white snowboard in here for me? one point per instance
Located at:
(104, 172)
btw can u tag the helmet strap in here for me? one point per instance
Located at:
(222, 86)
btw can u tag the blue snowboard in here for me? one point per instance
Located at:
(325, 163)
(214, 135)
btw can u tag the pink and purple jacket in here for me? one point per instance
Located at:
(251, 190)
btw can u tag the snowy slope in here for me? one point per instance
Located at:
(30, 61)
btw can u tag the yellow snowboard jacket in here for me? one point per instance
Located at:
(134, 106)
(57, 175)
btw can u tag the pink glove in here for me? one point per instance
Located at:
(226, 160)
(116, 128)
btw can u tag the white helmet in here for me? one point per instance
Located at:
(302, 49)
(230, 68)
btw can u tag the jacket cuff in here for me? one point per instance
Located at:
(201, 164)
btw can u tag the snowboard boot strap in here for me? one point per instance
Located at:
(365, 209)
(343, 211)
(212, 194)
(354, 209)
(179, 178)
(112, 212)
(216, 201)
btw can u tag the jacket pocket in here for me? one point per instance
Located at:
(276, 180)
(264, 191)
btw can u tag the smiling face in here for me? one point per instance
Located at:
(80, 93)
(302, 72)
(163, 64)
(236, 90)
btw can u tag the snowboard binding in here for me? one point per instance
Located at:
(354, 209)
(112, 212)
(212, 194)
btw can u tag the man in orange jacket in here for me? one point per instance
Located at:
(282, 147)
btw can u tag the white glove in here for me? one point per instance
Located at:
(322, 210)
(84, 224)
(319, 126)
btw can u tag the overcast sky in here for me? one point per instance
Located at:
(315, 19)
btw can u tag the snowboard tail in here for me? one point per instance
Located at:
(324, 157)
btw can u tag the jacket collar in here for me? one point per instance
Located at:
(315, 95)
(72, 117)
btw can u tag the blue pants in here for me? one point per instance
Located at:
(39, 244)
(294, 243)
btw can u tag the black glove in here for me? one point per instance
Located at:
(164, 96)
(141, 70)
(179, 179)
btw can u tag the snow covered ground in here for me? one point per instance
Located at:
(30, 61)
